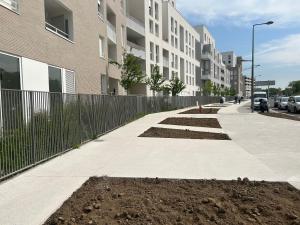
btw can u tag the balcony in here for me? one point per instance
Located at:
(136, 25)
(10, 4)
(59, 19)
(136, 50)
(111, 32)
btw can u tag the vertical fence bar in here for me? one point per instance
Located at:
(32, 127)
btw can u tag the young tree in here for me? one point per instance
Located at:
(227, 91)
(295, 86)
(207, 89)
(176, 86)
(215, 90)
(156, 80)
(131, 71)
(232, 92)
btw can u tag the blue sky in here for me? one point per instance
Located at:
(230, 22)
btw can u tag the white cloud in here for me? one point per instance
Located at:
(282, 52)
(241, 12)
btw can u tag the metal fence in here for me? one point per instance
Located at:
(36, 126)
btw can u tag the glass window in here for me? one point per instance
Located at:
(10, 4)
(55, 84)
(101, 47)
(10, 72)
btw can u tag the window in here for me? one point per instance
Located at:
(176, 43)
(176, 62)
(172, 41)
(172, 24)
(59, 19)
(151, 26)
(10, 72)
(187, 67)
(175, 27)
(10, 4)
(151, 51)
(103, 84)
(173, 60)
(101, 8)
(123, 36)
(101, 47)
(70, 82)
(55, 83)
(156, 30)
(156, 11)
(151, 8)
(157, 53)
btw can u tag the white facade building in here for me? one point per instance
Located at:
(212, 67)
(159, 35)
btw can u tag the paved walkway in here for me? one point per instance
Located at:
(33, 196)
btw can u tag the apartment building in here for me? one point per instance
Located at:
(159, 35)
(247, 86)
(62, 45)
(235, 65)
(212, 67)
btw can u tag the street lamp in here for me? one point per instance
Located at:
(252, 69)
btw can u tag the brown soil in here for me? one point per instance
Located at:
(203, 111)
(182, 134)
(196, 122)
(123, 201)
(281, 115)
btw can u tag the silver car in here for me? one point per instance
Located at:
(294, 104)
(283, 103)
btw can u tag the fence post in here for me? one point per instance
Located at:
(32, 127)
(62, 121)
(93, 117)
(79, 117)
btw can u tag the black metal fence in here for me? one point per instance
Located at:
(36, 126)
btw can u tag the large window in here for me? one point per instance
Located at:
(101, 47)
(55, 83)
(10, 4)
(9, 72)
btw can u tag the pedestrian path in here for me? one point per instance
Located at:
(31, 197)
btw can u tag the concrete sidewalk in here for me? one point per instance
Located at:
(273, 141)
(30, 198)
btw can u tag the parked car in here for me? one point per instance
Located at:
(277, 101)
(283, 103)
(294, 104)
(257, 102)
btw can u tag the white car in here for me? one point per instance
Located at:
(294, 104)
(283, 103)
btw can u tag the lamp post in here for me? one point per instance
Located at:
(252, 69)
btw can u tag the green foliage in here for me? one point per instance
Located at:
(216, 90)
(208, 87)
(131, 70)
(226, 91)
(176, 86)
(232, 92)
(156, 80)
(295, 87)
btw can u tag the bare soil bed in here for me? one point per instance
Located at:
(195, 122)
(203, 111)
(281, 116)
(123, 201)
(155, 132)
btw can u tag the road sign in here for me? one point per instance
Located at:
(265, 83)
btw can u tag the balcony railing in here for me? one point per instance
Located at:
(136, 25)
(57, 31)
(10, 4)
(111, 32)
(136, 50)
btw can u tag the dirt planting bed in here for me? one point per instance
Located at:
(196, 122)
(156, 132)
(123, 201)
(281, 116)
(203, 111)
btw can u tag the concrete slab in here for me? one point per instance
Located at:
(33, 196)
